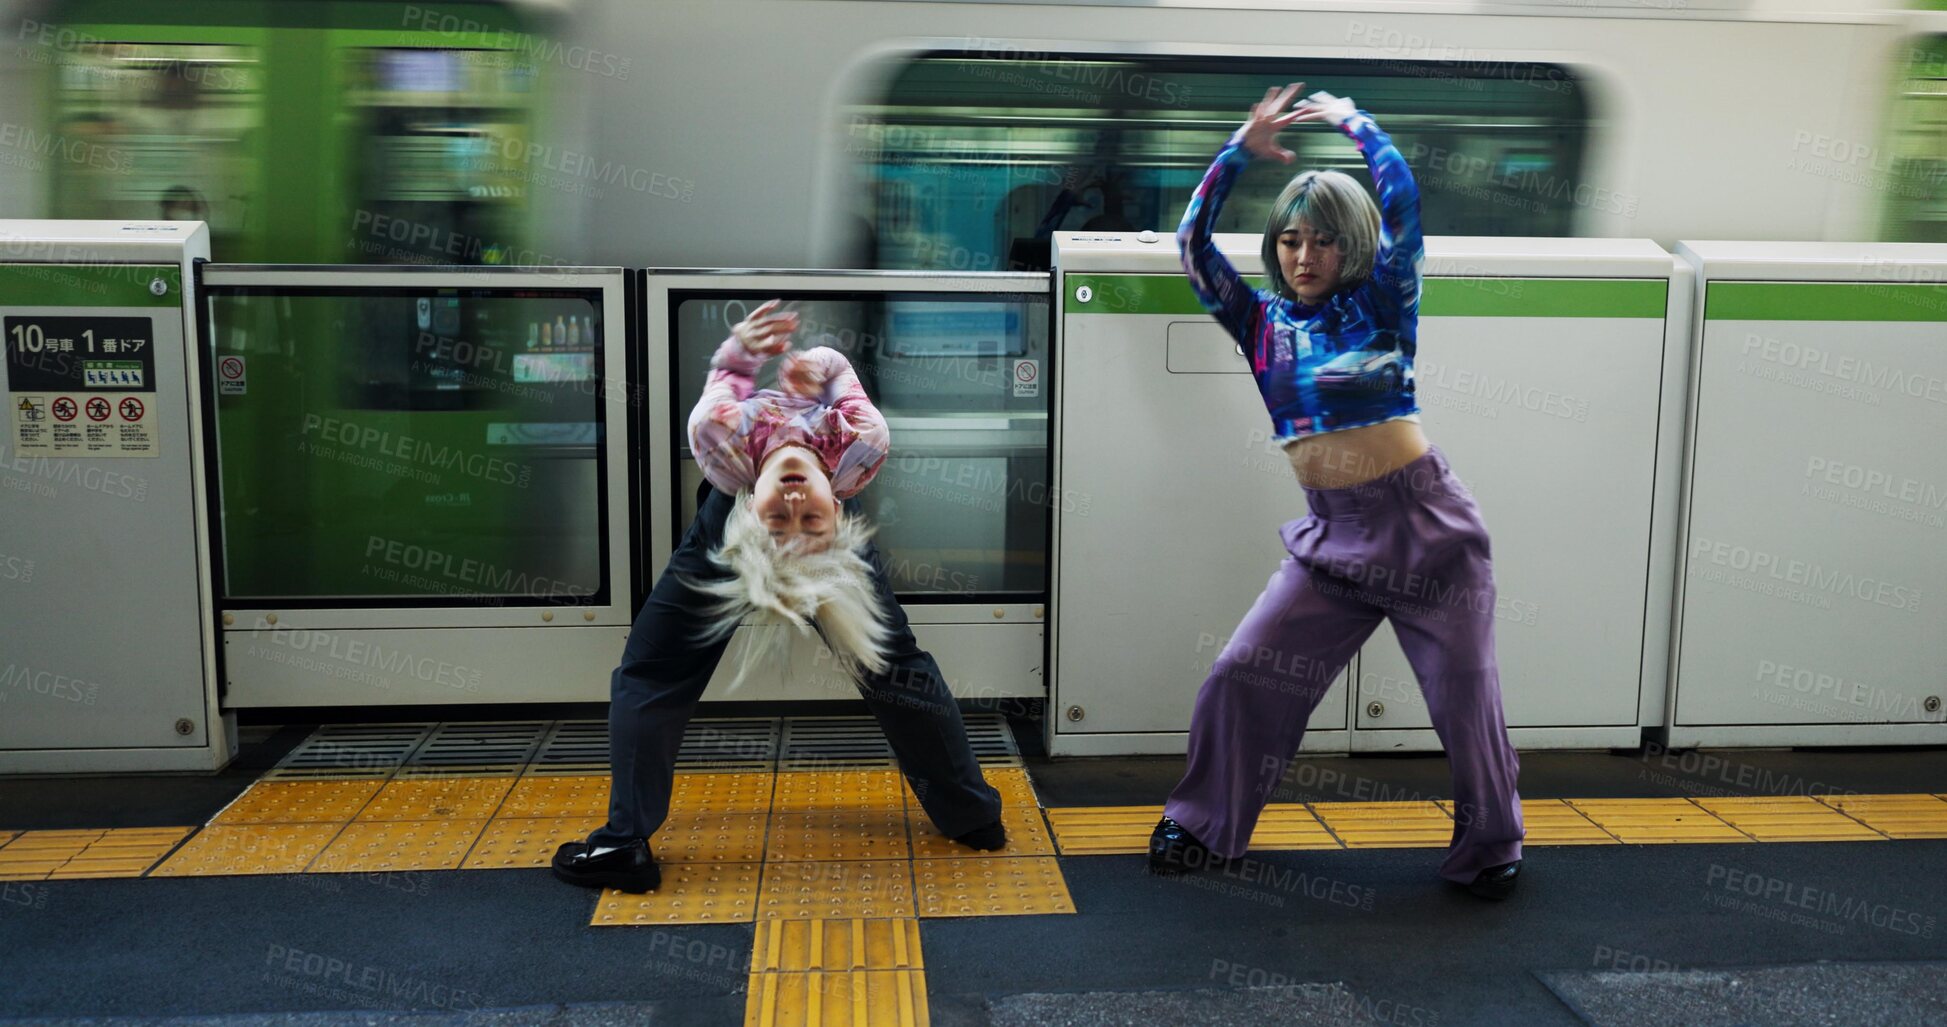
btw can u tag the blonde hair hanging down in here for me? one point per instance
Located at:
(832, 586)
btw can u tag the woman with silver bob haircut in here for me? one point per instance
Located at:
(772, 538)
(811, 586)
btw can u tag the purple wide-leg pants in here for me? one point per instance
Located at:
(1409, 546)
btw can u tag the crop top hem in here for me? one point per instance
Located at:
(1285, 441)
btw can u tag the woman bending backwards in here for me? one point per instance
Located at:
(770, 535)
(1391, 532)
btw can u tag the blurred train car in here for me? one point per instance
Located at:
(946, 135)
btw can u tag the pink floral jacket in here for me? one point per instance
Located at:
(822, 407)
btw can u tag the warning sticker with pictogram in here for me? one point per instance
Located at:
(230, 377)
(82, 385)
(1027, 377)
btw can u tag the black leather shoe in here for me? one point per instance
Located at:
(630, 868)
(1173, 850)
(990, 838)
(1496, 882)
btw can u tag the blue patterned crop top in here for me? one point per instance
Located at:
(1346, 362)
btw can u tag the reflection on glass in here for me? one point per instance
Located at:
(962, 503)
(971, 162)
(439, 143)
(428, 447)
(148, 131)
(1916, 194)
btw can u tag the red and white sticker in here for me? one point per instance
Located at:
(104, 424)
(1027, 377)
(231, 377)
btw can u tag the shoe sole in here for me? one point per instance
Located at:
(620, 882)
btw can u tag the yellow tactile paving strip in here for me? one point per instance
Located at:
(1895, 816)
(299, 802)
(563, 796)
(691, 893)
(1010, 886)
(63, 855)
(399, 845)
(225, 849)
(516, 842)
(837, 999)
(1657, 821)
(460, 798)
(836, 972)
(1791, 818)
(1386, 825)
(837, 790)
(1102, 830)
(1554, 822)
(842, 946)
(838, 834)
(836, 889)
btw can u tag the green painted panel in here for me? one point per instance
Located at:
(88, 285)
(1440, 297)
(1824, 301)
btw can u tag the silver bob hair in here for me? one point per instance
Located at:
(829, 590)
(1332, 203)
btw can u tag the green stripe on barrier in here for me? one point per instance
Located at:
(1440, 297)
(89, 285)
(1824, 301)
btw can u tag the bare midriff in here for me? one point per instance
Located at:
(1341, 459)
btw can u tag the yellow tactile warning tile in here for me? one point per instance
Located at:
(564, 796)
(248, 849)
(873, 997)
(399, 845)
(1282, 826)
(437, 798)
(123, 852)
(1896, 816)
(299, 802)
(35, 854)
(838, 834)
(732, 792)
(1026, 836)
(690, 893)
(990, 887)
(710, 838)
(1386, 825)
(1657, 821)
(836, 889)
(1103, 830)
(1016, 788)
(808, 790)
(1788, 818)
(514, 842)
(1012, 782)
(119, 852)
(796, 946)
(1553, 822)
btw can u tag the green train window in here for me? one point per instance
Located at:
(971, 159)
(158, 131)
(1916, 162)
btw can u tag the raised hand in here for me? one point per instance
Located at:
(766, 333)
(1267, 118)
(1323, 106)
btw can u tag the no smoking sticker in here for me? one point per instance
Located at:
(1027, 377)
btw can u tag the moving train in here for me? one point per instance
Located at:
(946, 135)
